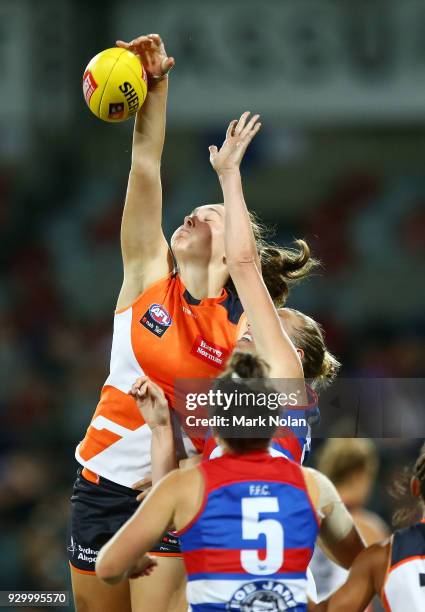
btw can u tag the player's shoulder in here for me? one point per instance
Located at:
(408, 542)
(182, 481)
(315, 479)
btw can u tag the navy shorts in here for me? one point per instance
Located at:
(97, 512)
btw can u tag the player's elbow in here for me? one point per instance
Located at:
(240, 263)
(107, 570)
(145, 169)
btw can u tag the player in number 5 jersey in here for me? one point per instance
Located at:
(247, 521)
(393, 569)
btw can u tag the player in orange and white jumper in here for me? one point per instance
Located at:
(177, 316)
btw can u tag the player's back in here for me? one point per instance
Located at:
(251, 542)
(404, 587)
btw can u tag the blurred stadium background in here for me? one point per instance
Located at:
(340, 161)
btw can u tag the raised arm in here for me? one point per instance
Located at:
(271, 341)
(153, 405)
(145, 252)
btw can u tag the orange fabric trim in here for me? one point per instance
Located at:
(162, 554)
(80, 571)
(385, 602)
(405, 561)
(382, 593)
(90, 476)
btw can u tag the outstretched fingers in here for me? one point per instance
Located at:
(250, 125)
(231, 128)
(241, 123)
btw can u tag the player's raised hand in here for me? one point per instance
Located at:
(151, 401)
(238, 136)
(152, 53)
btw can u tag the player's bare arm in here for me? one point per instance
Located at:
(272, 342)
(153, 405)
(145, 252)
(173, 501)
(124, 556)
(364, 581)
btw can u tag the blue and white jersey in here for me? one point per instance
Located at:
(249, 546)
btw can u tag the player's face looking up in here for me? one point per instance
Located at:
(291, 323)
(307, 337)
(201, 237)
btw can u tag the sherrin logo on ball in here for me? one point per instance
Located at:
(115, 85)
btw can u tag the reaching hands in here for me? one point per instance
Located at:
(238, 136)
(152, 53)
(151, 402)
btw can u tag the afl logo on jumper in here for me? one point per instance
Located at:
(156, 319)
(255, 596)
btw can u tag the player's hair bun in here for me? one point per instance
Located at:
(245, 365)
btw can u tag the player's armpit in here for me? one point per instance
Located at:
(190, 462)
(139, 276)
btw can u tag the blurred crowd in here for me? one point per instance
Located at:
(61, 271)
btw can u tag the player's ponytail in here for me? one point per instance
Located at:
(412, 508)
(319, 365)
(283, 267)
(328, 369)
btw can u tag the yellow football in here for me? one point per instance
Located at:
(114, 85)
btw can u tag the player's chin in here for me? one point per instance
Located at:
(187, 244)
(244, 346)
(178, 241)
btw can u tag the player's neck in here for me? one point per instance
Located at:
(201, 281)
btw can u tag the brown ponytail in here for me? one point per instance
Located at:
(319, 364)
(411, 511)
(281, 267)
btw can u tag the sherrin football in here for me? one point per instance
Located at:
(114, 85)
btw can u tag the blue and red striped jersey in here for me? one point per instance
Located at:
(253, 538)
